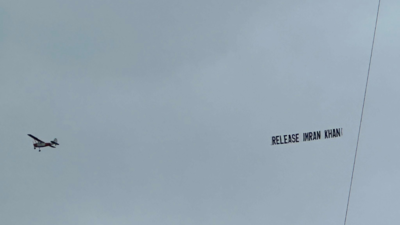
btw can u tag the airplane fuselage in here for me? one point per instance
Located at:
(42, 145)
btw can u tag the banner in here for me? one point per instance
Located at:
(307, 136)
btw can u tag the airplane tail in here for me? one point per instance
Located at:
(55, 142)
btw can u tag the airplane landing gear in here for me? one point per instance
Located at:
(39, 150)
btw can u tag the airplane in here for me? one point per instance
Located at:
(41, 144)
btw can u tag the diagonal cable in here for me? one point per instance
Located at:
(362, 112)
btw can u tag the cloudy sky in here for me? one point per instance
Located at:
(164, 111)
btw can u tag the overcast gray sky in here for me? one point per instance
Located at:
(164, 111)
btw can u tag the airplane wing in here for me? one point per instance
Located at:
(37, 139)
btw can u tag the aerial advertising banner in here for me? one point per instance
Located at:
(307, 136)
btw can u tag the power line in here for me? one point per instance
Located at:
(362, 112)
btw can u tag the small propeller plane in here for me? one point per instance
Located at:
(37, 143)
